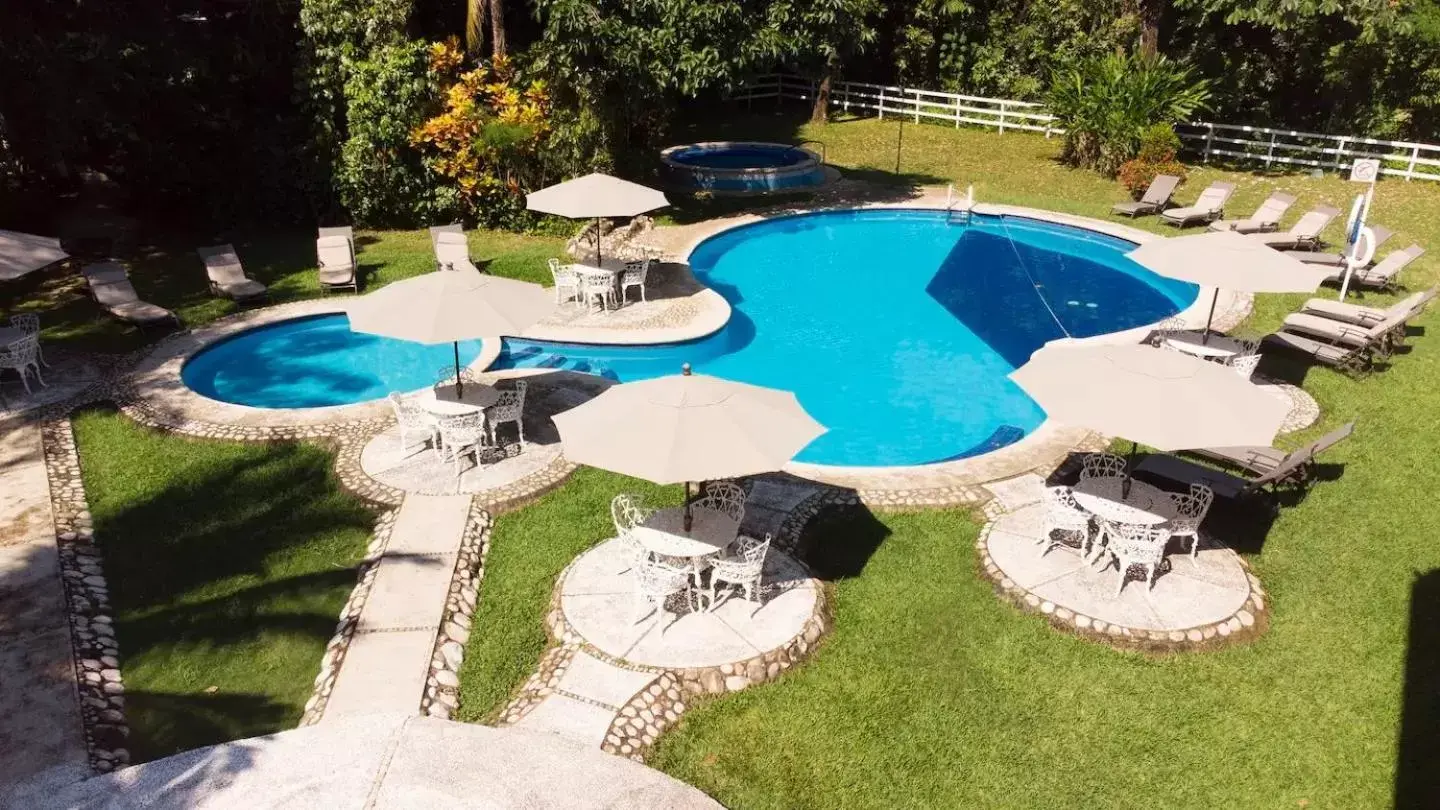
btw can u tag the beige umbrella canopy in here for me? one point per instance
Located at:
(687, 427)
(594, 196)
(1228, 260)
(22, 253)
(1167, 400)
(448, 306)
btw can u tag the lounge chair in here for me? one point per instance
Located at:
(338, 230)
(1368, 316)
(1352, 360)
(112, 290)
(1384, 274)
(1208, 207)
(1304, 233)
(1265, 219)
(227, 276)
(1259, 467)
(1381, 335)
(1157, 196)
(337, 264)
(451, 250)
(1337, 258)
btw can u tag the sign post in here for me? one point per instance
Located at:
(1363, 170)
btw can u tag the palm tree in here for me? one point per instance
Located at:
(475, 13)
(497, 28)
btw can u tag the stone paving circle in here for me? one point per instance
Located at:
(416, 467)
(597, 597)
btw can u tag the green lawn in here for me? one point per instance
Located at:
(528, 550)
(228, 564)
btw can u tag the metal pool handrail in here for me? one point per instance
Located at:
(821, 144)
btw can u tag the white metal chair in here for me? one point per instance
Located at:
(1133, 544)
(565, 278)
(22, 356)
(1107, 466)
(726, 497)
(742, 566)
(1245, 364)
(655, 582)
(1190, 511)
(627, 512)
(461, 435)
(597, 285)
(413, 419)
(446, 376)
(1063, 514)
(634, 275)
(509, 408)
(1165, 329)
(29, 324)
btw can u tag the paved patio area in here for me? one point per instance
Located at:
(598, 598)
(416, 467)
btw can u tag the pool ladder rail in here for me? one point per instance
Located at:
(957, 209)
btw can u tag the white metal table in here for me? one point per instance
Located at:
(10, 334)
(608, 270)
(444, 400)
(664, 532)
(1143, 505)
(1218, 347)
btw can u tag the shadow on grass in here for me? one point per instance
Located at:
(839, 542)
(1417, 781)
(165, 724)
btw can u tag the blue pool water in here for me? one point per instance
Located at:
(316, 361)
(740, 157)
(896, 329)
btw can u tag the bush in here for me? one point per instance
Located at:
(1107, 105)
(1156, 156)
(1158, 144)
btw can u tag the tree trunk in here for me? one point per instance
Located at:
(475, 24)
(498, 46)
(1150, 13)
(820, 113)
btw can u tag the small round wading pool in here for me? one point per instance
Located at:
(742, 167)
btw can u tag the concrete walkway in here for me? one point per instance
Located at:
(388, 659)
(584, 704)
(40, 727)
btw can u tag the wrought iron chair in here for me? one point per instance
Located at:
(1133, 544)
(1063, 514)
(413, 419)
(743, 566)
(29, 324)
(655, 582)
(634, 275)
(565, 278)
(1190, 511)
(509, 408)
(461, 435)
(22, 356)
(627, 512)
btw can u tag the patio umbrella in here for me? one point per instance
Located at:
(22, 253)
(448, 306)
(687, 427)
(595, 196)
(1228, 260)
(1168, 400)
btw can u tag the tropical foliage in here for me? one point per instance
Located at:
(1107, 104)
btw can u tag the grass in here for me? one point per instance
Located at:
(227, 565)
(529, 549)
(171, 275)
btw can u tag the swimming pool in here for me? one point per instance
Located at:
(742, 167)
(313, 362)
(895, 328)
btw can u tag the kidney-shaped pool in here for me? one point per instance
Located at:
(895, 328)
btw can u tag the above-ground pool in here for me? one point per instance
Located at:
(895, 328)
(742, 167)
(315, 361)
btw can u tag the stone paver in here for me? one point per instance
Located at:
(1022, 490)
(383, 672)
(579, 722)
(1190, 602)
(40, 726)
(590, 678)
(408, 592)
(417, 468)
(428, 524)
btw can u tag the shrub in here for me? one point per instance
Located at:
(1156, 156)
(1158, 144)
(1106, 105)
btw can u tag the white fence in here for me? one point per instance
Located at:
(1420, 161)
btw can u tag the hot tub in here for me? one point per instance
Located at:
(742, 167)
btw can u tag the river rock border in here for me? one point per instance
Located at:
(1246, 624)
(339, 644)
(95, 652)
(442, 684)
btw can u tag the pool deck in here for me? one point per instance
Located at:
(679, 309)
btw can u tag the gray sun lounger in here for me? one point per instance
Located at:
(1384, 274)
(451, 250)
(227, 276)
(1352, 360)
(1337, 258)
(1410, 305)
(1208, 207)
(112, 290)
(336, 261)
(1223, 484)
(1380, 335)
(1265, 219)
(1304, 233)
(1264, 460)
(338, 230)
(1157, 196)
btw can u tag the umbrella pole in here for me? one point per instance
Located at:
(688, 517)
(600, 261)
(1129, 465)
(1205, 338)
(459, 384)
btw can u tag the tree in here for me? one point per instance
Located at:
(476, 12)
(826, 33)
(498, 45)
